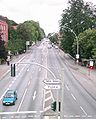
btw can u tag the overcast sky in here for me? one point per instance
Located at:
(46, 12)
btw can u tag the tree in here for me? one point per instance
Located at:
(27, 31)
(78, 17)
(30, 31)
(53, 37)
(87, 43)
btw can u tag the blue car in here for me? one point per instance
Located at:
(9, 98)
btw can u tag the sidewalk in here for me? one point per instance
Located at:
(85, 77)
(4, 68)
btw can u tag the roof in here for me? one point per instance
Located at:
(2, 18)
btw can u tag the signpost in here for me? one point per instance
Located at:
(54, 84)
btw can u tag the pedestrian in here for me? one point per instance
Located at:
(8, 63)
(7, 60)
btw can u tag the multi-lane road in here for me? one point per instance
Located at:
(40, 63)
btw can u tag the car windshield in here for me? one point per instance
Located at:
(9, 96)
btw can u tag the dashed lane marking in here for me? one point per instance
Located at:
(22, 101)
(73, 96)
(28, 83)
(28, 69)
(67, 87)
(34, 95)
(83, 110)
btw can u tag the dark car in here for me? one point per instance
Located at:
(9, 98)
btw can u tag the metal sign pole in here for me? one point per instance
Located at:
(57, 105)
(62, 96)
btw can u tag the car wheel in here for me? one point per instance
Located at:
(13, 103)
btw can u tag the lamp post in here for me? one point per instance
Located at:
(77, 55)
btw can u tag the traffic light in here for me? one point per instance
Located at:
(59, 106)
(13, 70)
(53, 106)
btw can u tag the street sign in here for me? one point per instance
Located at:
(91, 63)
(57, 81)
(52, 87)
(77, 56)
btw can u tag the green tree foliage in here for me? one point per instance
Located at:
(53, 37)
(79, 16)
(30, 31)
(27, 31)
(87, 43)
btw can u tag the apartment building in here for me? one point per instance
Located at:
(4, 29)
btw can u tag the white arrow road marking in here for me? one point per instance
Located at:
(34, 96)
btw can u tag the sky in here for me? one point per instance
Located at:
(46, 12)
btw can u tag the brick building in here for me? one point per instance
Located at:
(4, 29)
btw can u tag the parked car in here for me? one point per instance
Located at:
(10, 97)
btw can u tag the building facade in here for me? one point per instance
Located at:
(4, 29)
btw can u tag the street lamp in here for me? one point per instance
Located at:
(77, 55)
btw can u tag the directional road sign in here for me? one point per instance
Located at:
(52, 87)
(57, 81)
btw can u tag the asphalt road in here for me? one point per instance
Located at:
(34, 101)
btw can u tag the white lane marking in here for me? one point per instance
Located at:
(46, 92)
(17, 117)
(67, 87)
(34, 95)
(89, 116)
(60, 75)
(28, 69)
(30, 116)
(4, 117)
(13, 81)
(71, 116)
(28, 83)
(4, 94)
(39, 69)
(48, 98)
(73, 96)
(24, 116)
(21, 112)
(83, 110)
(22, 100)
(77, 116)
(47, 108)
(10, 85)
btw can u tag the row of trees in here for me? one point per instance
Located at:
(78, 20)
(81, 18)
(27, 31)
